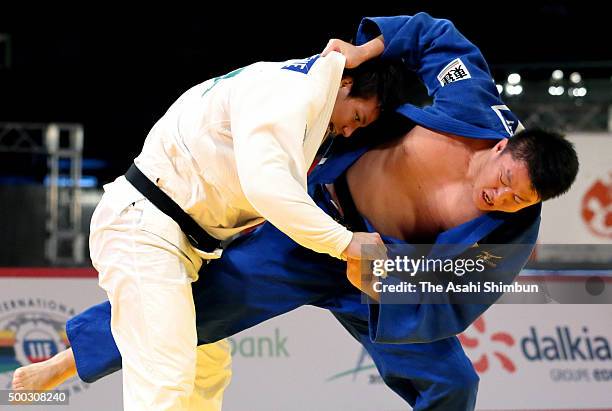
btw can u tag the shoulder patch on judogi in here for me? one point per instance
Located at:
(454, 71)
(302, 66)
(510, 122)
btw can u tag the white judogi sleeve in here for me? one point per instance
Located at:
(270, 119)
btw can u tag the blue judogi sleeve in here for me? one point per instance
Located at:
(465, 99)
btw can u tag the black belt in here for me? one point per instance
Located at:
(196, 235)
(351, 218)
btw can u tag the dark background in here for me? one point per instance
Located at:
(117, 71)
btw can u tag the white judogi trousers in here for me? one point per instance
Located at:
(146, 266)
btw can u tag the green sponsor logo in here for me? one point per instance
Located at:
(260, 347)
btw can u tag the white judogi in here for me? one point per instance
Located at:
(231, 152)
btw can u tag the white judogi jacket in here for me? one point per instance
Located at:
(235, 150)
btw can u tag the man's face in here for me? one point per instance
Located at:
(350, 113)
(503, 183)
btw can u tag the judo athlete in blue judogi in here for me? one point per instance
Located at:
(265, 274)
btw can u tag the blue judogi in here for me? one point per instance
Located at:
(265, 274)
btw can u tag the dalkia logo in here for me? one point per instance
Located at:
(482, 364)
(32, 330)
(597, 208)
(565, 346)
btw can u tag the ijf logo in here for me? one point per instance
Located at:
(597, 207)
(504, 340)
(37, 341)
(32, 330)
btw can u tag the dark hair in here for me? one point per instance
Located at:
(551, 160)
(385, 79)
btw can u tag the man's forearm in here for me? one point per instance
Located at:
(372, 48)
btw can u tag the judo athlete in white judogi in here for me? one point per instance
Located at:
(230, 152)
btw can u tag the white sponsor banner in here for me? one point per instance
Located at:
(320, 367)
(543, 356)
(323, 368)
(584, 214)
(33, 312)
(528, 356)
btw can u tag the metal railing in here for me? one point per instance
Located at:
(59, 142)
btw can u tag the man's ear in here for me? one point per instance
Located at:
(501, 145)
(346, 82)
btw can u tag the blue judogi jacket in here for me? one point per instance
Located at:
(466, 103)
(265, 274)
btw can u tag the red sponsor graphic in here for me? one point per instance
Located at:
(597, 208)
(482, 364)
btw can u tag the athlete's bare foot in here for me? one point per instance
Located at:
(45, 375)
